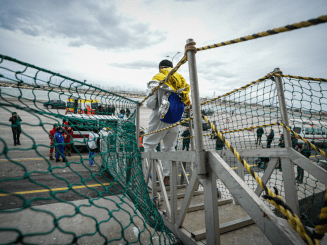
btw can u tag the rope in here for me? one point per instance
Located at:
(319, 20)
(271, 197)
(172, 126)
(233, 131)
(312, 145)
(304, 78)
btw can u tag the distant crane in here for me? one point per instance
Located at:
(214, 94)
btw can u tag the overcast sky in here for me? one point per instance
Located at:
(121, 42)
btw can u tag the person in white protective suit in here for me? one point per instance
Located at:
(160, 104)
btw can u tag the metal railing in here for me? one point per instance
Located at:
(206, 166)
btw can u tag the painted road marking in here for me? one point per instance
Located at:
(54, 189)
(40, 159)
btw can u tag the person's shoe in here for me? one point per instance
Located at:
(57, 160)
(51, 158)
(64, 160)
(18, 143)
(299, 181)
(93, 165)
(15, 144)
(69, 155)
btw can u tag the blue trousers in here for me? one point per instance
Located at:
(60, 151)
(91, 156)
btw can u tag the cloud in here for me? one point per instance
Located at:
(79, 22)
(135, 65)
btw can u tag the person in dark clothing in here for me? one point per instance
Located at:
(158, 147)
(113, 109)
(59, 140)
(305, 151)
(270, 138)
(259, 136)
(294, 141)
(219, 143)
(186, 140)
(128, 112)
(281, 141)
(15, 127)
(122, 112)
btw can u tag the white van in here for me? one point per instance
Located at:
(313, 131)
(82, 124)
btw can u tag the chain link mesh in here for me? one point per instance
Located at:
(111, 194)
(257, 106)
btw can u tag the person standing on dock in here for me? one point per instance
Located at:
(186, 139)
(15, 127)
(173, 95)
(60, 145)
(52, 134)
(122, 112)
(270, 138)
(259, 135)
(128, 112)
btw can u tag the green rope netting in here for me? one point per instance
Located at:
(111, 198)
(258, 105)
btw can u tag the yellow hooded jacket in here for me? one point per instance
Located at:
(176, 82)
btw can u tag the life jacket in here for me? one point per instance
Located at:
(141, 141)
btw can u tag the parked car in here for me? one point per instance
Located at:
(55, 104)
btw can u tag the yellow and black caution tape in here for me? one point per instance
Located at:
(319, 20)
(236, 130)
(172, 126)
(304, 78)
(271, 197)
(307, 142)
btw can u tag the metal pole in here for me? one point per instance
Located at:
(287, 166)
(199, 146)
(137, 125)
(209, 178)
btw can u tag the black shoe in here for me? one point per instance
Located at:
(14, 144)
(18, 143)
(51, 158)
(64, 160)
(57, 160)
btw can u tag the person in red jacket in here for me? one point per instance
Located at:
(65, 124)
(67, 136)
(51, 137)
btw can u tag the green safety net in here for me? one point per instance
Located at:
(258, 105)
(49, 201)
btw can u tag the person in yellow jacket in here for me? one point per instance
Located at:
(159, 105)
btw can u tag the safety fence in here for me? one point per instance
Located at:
(49, 191)
(250, 118)
(115, 193)
(240, 115)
